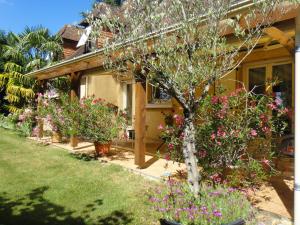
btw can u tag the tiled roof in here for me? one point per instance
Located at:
(70, 32)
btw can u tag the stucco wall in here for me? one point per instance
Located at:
(154, 117)
(104, 85)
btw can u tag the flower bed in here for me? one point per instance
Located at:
(215, 205)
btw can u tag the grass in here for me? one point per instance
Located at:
(47, 186)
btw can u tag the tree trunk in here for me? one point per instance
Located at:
(189, 153)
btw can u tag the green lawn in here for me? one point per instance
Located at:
(45, 185)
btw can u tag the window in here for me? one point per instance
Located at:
(127, 100)
(158, 95)
(257, 80)
(83, 87)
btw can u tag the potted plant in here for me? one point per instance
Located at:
(100, 123)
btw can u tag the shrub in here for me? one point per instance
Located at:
(61, 113)
(26, 122)
(100, 121)
(22, 122)
(216, 205)
(9, 122)
(232, 131)
(89, 118)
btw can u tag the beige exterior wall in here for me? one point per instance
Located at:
(155, 117)
(103, 85)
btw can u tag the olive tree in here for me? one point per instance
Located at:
(184, 46)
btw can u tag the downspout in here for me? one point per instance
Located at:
(297, 124)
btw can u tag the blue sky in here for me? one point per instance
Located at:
(53, 14)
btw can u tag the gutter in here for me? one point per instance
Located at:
(236, 7)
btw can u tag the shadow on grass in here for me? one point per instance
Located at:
(34, 209)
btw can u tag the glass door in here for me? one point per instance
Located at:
(257, 80)
(281, 76)
(283, 89)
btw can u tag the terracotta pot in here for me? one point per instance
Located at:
(56, 137)
(74, 141)
(102, 149)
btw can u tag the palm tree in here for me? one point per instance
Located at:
(32, 49)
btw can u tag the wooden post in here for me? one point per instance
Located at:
(40, 121)
(75, 81)
(140, 124)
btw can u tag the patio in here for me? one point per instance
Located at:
(274, 199)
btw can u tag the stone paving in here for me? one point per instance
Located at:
(268, 218)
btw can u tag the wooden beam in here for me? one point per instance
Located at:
(140, 124)
(281, 37)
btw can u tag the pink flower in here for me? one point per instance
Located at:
(216, 178)
(224, 101)
(267, 130)
(170, 146)
(253, 133)
(221, 114)
(221, 133)
(272, 106)
(202, 154)
(263, 118)
(212, 136)
(160, 127)
(266, 162)
(214, 100)
(178, 120)
(167, 157)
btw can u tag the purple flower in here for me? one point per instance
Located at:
(217, 213)
(215, 193)
(231, 189)
(153, 199)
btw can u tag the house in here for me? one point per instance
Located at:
(70, 35)
(273, 57)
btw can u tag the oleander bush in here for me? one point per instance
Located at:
(233, 136)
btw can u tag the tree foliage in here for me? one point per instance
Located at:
(30, 50)
(185, 49)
